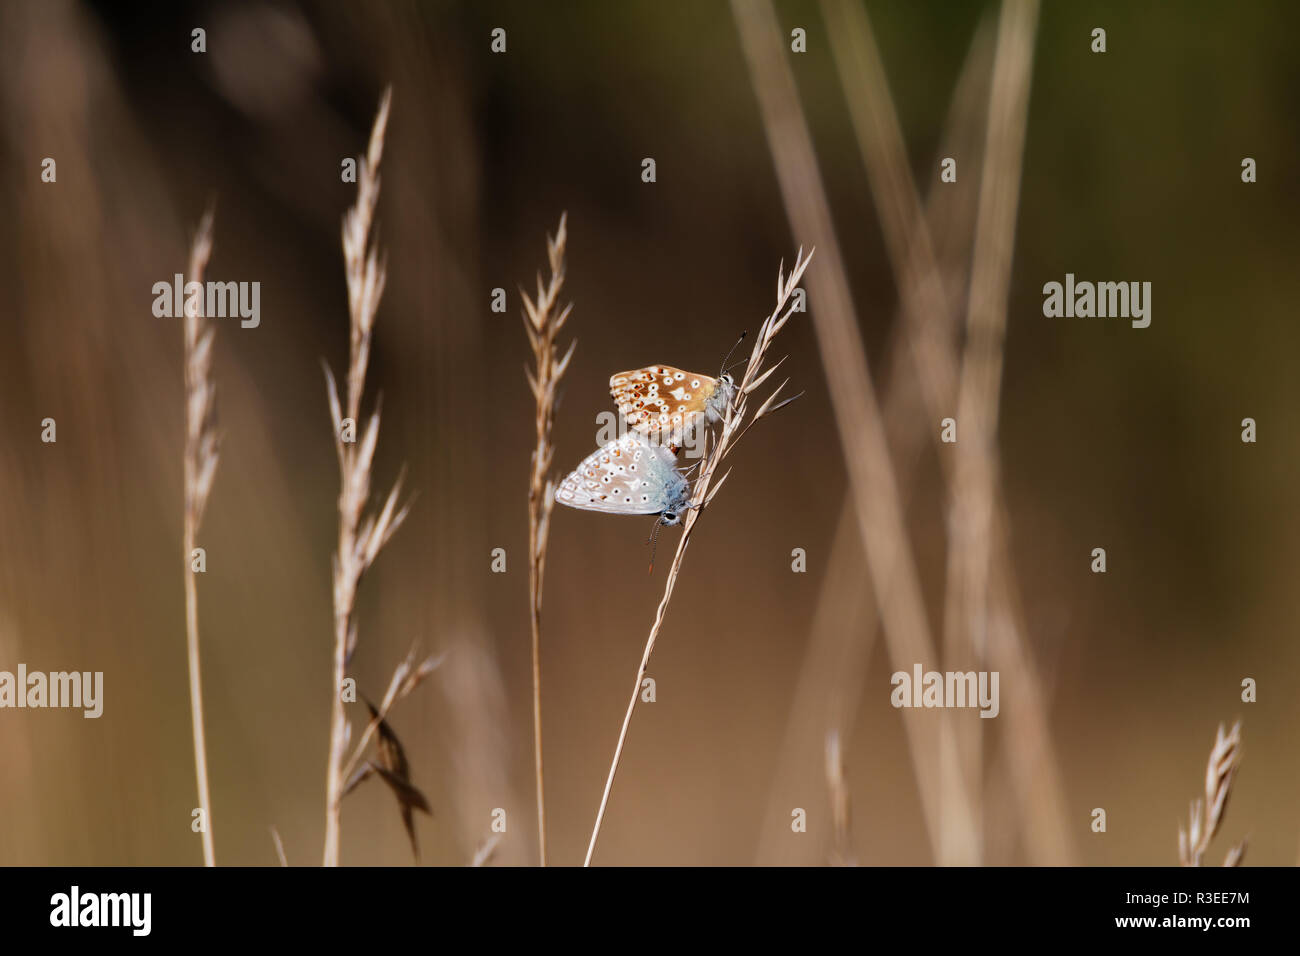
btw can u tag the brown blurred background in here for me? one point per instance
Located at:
(1110, 436)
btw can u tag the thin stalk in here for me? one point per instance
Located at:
(735, 424)
(543, 319)
(858, 420)
(200, 466)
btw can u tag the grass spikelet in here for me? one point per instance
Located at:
(1207, 814)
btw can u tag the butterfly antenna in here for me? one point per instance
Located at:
(732, 349)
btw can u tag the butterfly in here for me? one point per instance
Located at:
(665, 403)
(629, 476)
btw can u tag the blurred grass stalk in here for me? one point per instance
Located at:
(980, 582)
(1031, 757)
(841, 803)
(853, 399)
(543, 320)
(843, 632)
(200, 467)
(973, 487)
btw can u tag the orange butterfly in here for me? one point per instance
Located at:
(666, 403)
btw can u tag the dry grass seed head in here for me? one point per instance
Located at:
(1206, 816)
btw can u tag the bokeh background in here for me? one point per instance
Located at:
(1109, 436)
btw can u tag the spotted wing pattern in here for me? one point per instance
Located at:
(665, 403)
(629, 475)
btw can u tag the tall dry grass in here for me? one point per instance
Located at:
(843, 632)
(201, 454)
(362, 536)
(981, 590)
(735, 424)
(858, 421)
(543, 320)
(975, 481)
(928, 293)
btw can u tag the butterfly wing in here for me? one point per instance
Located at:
(627, 476)
(663, 402)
